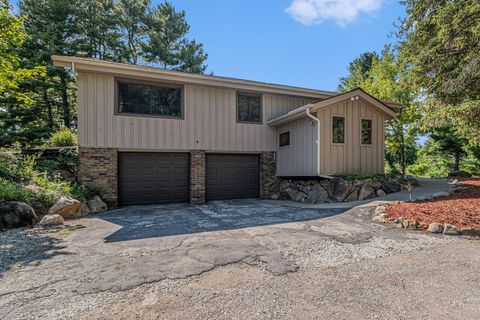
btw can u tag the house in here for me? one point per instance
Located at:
(148, 135)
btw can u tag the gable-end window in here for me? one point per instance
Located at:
(155, 100)
(284, 139)
(338, 130)
(366, 131)
(249, 108)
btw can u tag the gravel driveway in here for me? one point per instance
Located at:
(236, 260)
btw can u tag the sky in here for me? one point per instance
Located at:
(306, 43)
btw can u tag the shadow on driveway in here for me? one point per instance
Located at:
(141, 222)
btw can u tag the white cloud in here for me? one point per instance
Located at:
(342, 12)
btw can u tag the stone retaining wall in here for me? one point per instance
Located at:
(197, 177)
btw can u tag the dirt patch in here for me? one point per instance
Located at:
(462, 208)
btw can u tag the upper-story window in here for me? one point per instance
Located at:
(366, 131)
(338, 130)
(249, 107)
(146, 99)
(284, 139)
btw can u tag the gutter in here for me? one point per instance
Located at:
(309, 107)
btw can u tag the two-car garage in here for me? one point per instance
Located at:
(155, 178)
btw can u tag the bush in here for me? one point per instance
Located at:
(362, 176)
(10, 191)
(64, 138)
(84, 193)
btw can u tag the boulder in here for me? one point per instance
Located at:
(275, 196)
(391, 186)
(410, 224)
(16, 214)
(317, 195)
(300, 197)
(84, 210)
(353, 196)
(380, 218)
(51, 220)
(366, 193)
(340, 189)
(67, 208)
(381, 193)
(450, 229)
(470, 232)
(96, 205)
(284, 195)
(284, 185)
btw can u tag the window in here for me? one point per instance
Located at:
(338, 130)
(366, 131)
(284, 139)
(153, 100)
(249, 108)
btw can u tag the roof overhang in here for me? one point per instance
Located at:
(95, 66)
(353, 94)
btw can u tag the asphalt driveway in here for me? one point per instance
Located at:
(242, 259)
(140, 222)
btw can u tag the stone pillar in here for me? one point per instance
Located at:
(268, 180)
(98, 169)
(197, 177)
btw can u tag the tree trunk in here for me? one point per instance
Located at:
(456, 164)
(65, 104)
(49, 108)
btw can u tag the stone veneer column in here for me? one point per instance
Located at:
(98, 169)
(268, 180)
(197, 177)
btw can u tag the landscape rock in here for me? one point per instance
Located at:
(275, 196)
(84, 210)
(366, 193)
(440, 194)
(96, 205)
(391, 186)
(380, 209)
(16, 214)
(300, 197)
(381, 193)
(292, 194)
(450, 229)
(67, 208)
(353, 196)
(470, 232)
(435, 227)
(51, 220)
(410, 224)
(340, 189)
(317, 195)
(380, 218)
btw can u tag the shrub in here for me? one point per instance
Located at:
(10, 191)
(64, 138)
(83, 193)
(9, 167)
(362, 176)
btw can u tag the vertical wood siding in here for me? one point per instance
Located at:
(351, 156)
(209, 121)
(300, 157)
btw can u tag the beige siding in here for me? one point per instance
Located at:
(300, 158)
(351, 157)
(209, 120)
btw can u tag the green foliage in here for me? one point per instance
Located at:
(167, 45)
(83, 193)
(440, 44)
(10, 191)
(471, 165)
(358, 71)
(64, 138)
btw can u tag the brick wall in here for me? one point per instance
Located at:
(268, 181)
(98, 169)
(197, 177)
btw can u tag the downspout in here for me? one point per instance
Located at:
(311, 116)
(74, 72)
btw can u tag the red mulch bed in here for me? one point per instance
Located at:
(461, 208)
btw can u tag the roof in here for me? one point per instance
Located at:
(381, 106)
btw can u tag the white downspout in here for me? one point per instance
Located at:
(311, 116)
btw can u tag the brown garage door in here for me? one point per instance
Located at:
(149, 178)
(232, 176)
